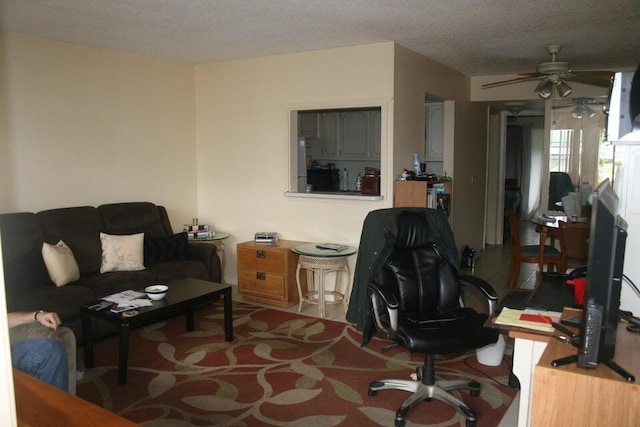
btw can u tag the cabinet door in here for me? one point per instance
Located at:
(355, 134)
(330, 132)
(308, 124)
(374, 125)
(435, 131)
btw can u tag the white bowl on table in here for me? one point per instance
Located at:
(156, 291)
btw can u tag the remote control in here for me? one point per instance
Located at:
(588, 355)
(576, 322)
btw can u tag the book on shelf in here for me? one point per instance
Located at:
(539, 320)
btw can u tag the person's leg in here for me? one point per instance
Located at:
(63, 334)
(45, 359)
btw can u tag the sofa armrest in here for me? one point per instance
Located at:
(206, 252)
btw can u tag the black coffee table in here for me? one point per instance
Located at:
(182, 297)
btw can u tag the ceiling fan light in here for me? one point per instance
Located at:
(546, 90)
(577, 113)
(588, 111)
(563, 89)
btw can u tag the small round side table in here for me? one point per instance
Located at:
(216, 239)
(318, 262)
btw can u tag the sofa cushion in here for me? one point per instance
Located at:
(61, 264)
(122, 253)
(25, 273)
(169, 271)
(164, 249)
(65, 301)
(118, 281)
(80, 228)
(131, 218)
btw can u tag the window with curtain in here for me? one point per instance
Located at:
(561, 151)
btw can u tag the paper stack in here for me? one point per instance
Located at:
(538, 320)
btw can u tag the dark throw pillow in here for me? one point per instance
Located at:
(164, 249)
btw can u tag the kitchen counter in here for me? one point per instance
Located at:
(342, 195)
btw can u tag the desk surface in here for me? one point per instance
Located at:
(572, 396)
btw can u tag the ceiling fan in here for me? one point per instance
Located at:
(556, 74)
(584, 107)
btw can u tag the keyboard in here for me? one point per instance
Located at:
(516, 299)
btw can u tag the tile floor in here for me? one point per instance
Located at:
(491, 264)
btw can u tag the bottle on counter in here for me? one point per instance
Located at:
(344, 183)
(359, 183)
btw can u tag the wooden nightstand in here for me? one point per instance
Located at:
(267, 272)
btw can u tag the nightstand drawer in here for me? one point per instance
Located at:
(261, 283)
(265, 260)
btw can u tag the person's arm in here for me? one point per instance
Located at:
(48, 319)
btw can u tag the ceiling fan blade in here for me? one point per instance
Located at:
(557, 107)
(604, 82)
(526, 78)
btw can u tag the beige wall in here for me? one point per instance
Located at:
(87, 126)
(416, 75)
(243, 141)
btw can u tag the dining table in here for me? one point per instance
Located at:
(548, 226)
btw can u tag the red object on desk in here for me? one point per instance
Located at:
(579, 284)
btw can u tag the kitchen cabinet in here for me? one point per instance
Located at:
(434, 135)
(330, 130)
(308, 124)
(267, 272)
(350, 135)
(355, 136)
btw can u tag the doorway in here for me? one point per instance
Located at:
(515, 165)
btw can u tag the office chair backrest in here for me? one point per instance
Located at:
(424, 279)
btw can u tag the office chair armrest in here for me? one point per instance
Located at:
(388, 298)
(385, 309)
(487, 290)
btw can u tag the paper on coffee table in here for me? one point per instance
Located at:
(124, 298)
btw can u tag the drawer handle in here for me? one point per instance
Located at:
(261, 254)
(261, 276)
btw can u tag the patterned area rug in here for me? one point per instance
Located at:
(282, 369)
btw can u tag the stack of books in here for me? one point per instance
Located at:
(198, 231)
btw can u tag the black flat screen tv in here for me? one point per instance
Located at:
(607, 242)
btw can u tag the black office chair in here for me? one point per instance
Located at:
(559, 186)
(416, 301)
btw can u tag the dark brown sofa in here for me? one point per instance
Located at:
(27, 282)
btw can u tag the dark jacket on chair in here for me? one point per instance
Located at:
(375, 248)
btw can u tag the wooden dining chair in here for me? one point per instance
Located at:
(529, 254)
(574, 244)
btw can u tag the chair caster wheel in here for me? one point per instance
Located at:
(470, 423)
(372, 392)
(399, 423)
(474, 388)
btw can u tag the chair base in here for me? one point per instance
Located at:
(420, 391)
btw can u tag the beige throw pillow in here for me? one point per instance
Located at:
(60, 262)
(122, 253)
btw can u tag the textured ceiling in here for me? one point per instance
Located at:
(476, 37)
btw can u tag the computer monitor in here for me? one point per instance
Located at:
(607, 241)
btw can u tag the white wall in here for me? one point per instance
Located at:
(88, 126)
(243, 141)
(465, 136)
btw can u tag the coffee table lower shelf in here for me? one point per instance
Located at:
(183, 297)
